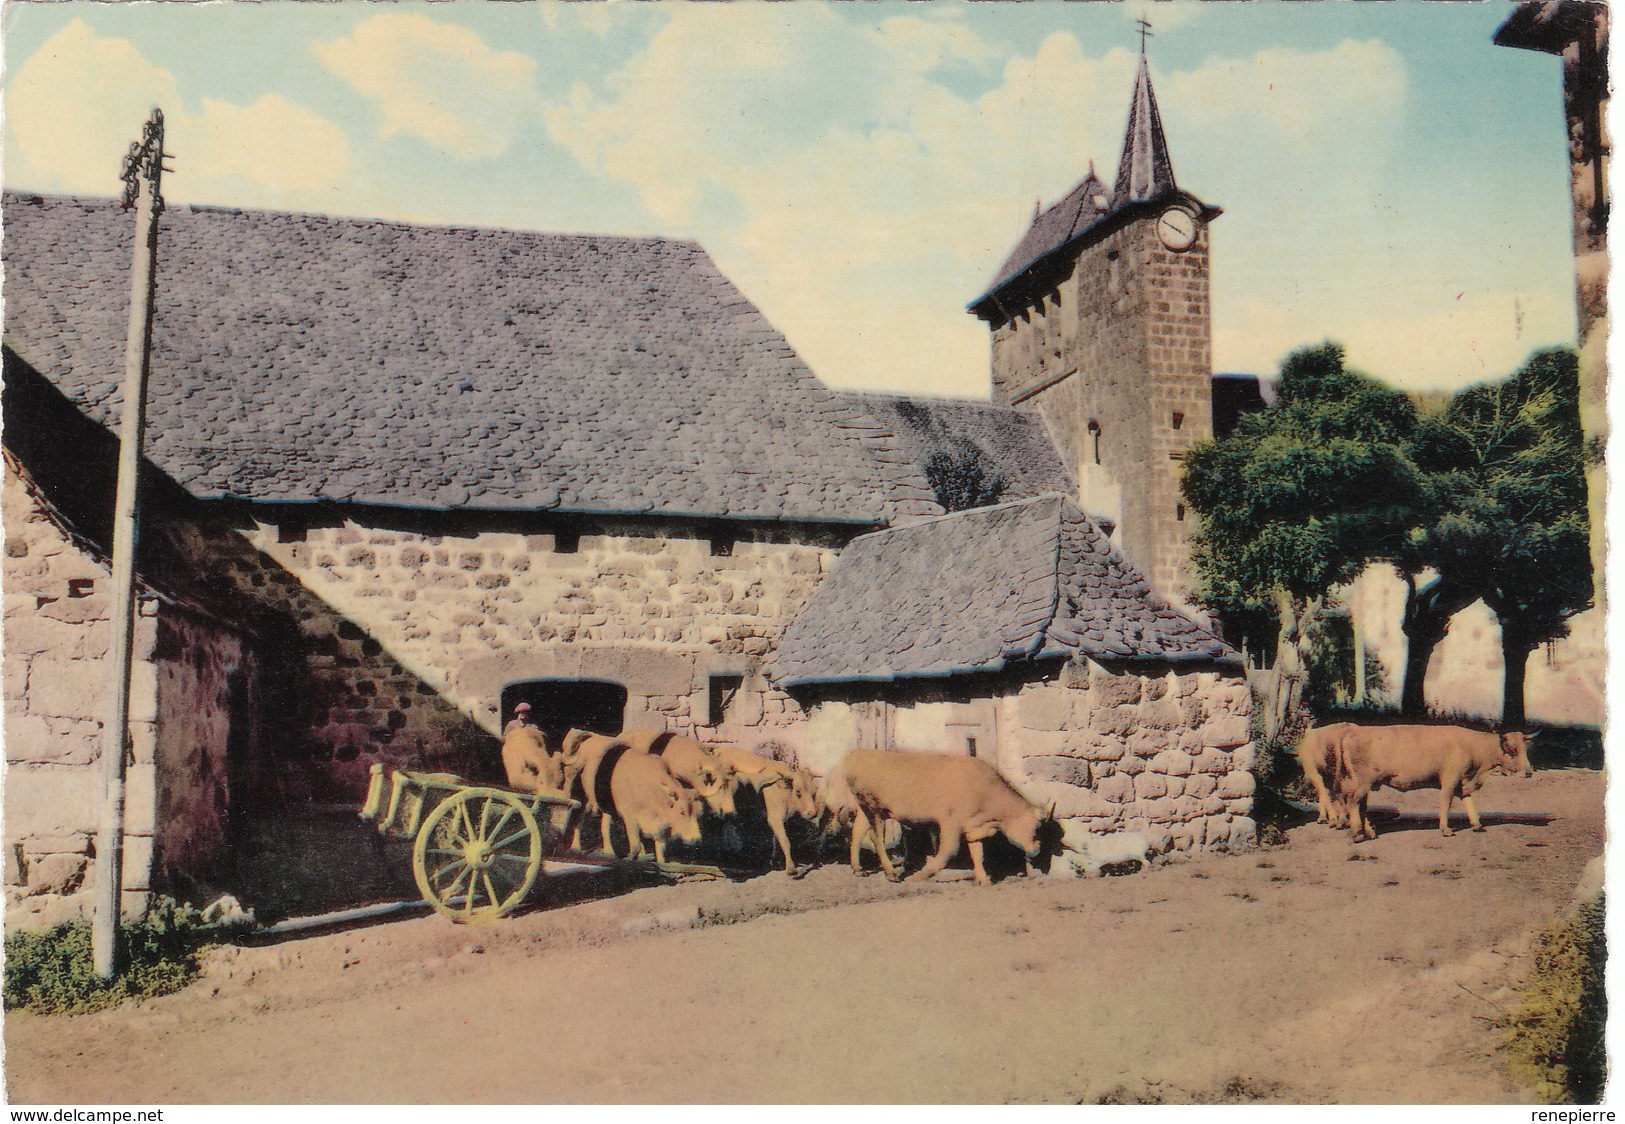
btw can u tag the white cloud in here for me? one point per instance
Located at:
(74, 107)
(76, 104)
(436, 81)
(272, 141)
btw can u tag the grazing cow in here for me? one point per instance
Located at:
(785, 791)
(529, 764)
(1452, 759)
(1317, 755)
(964, 797)
(693, 764)
(614, 780)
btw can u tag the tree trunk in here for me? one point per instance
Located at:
(1427, 619)
(1515, 649)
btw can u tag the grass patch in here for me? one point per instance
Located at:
(1557, 1040)
(50, 971)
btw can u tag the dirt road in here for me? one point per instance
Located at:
(1225, 978)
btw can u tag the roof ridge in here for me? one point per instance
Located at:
(17, 196)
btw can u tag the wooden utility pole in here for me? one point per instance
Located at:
(143, 171)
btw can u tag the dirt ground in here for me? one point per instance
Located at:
(1313, 972)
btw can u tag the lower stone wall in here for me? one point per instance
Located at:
(1168, 756)
(57, 618)
(1165, 755)
(405, 639)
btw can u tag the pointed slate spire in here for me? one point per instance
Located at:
(1145, 170)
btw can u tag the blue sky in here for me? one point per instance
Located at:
(1390, 178)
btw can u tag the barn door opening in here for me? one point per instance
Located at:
(556, 705)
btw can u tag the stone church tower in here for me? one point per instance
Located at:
(1100, 321)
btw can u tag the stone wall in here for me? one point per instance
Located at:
(1124, 341)
(57, 632)
(1167, 755)
(409, 636)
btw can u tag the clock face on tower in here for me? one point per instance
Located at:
(1177, 229)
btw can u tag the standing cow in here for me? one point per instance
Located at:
(696, 766)
(785, 791)
(964, 797)
(1453, 759)
(528, 763)
(614, 780)
(1317, 755)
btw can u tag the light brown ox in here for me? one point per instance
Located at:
(529, 764)
(964, 797)
(785, 791)
(614, 780)
(694, 765)
(1452, 759)
(1317, 755)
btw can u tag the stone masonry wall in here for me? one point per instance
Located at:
(1168, 756)
(410, 637)
(1124, 341)
(57, 630)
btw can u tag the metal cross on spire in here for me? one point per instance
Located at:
(1145, 30)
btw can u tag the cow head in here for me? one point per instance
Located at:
(804, 796)
(713, 783)
(1027, 830)
(684, 813)
(1515, 753)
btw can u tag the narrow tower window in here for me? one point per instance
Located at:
(1179, 419)
(1094, 431)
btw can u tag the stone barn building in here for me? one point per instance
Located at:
(1017, 633)
(402, 478)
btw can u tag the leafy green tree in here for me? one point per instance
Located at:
(1519, 531)
(1298, 499)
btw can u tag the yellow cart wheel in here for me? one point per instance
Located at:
(477, 855)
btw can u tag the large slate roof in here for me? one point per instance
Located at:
(978, 591)
(301, 357)
(1005, 442)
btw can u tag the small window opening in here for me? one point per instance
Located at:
(81, 587)
(1094, 431)
(566, 542)
(970, 746)
(291, 532)
(1179, 512)
(724, 690)
(1179, 419)
(722, 545)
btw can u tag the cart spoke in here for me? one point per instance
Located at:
(489, 889)
(505, 840)
(468, 824)
(507, 814)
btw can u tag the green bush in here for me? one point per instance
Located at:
(1557, 1042)
(51, 971)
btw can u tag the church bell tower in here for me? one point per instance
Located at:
(1100, 320)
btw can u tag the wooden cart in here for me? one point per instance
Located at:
(477, 848)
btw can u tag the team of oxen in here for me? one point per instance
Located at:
(1345, 762)
(658, 785)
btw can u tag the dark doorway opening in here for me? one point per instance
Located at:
(557, 705)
